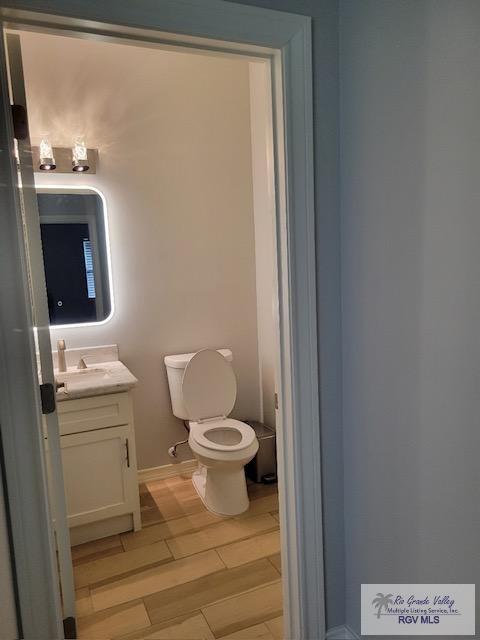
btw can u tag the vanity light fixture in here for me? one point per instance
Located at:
(47, 161)
(80, 156)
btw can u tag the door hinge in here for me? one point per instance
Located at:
(47, 395)
(276, 401)
(20, 122)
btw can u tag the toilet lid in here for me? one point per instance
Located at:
(209, 387)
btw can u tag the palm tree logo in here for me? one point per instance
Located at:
(382, 602)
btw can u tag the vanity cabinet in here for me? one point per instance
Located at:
(97, 440)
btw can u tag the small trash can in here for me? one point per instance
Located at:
(263, 467)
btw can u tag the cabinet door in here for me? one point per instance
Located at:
(99, 481)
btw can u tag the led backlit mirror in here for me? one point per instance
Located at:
(74, 234)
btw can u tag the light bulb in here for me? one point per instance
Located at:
(47, 161)
(79, 156)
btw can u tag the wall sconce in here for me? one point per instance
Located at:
(46, 157)
(80, 156)
(47, 160)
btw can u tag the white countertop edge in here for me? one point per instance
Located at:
(121, 379)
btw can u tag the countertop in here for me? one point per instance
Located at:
(97, 379)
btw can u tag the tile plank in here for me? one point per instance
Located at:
(96, 549)
(163, 505)
(250, 549)
(172, 483)
(244, 610)
(256, 490)
(170, 498)
(83, 602)
(258, 631)
(262, 504)
(156, 532)
(148, 581)
(276, 560)
(90, 573)
(190, 589)
(207, 590)
(188, 627)
(113, 622)
(220, 534)
(276, 627)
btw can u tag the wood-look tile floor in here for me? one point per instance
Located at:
(187, 575)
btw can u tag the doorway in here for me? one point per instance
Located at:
(294, 498)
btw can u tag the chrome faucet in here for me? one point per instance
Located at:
(62, 363)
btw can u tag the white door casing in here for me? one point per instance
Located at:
(39, 608)
(34, 255)
(285, 41)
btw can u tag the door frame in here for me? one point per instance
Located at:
(284, 40)
(25, 479)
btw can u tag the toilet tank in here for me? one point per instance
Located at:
(175, 366)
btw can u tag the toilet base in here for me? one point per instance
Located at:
(222, 490)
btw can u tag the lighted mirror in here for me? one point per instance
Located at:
(74, 230)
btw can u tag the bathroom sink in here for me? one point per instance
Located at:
(97, 379)
(94, 375)
(79, 380)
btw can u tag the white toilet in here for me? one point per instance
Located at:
(203, 390)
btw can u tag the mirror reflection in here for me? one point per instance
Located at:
(75, 252)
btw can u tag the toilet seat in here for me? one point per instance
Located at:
(209, 434)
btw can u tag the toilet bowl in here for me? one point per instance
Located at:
(223, 448)
(203, 389)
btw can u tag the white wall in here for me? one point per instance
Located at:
(264, 223)
(173, 133)
(411, 296)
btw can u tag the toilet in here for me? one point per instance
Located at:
(203, 389)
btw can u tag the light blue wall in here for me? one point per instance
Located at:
(325, 66)
(410, 149)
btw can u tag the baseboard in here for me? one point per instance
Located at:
(167, 471)
(342, 632)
